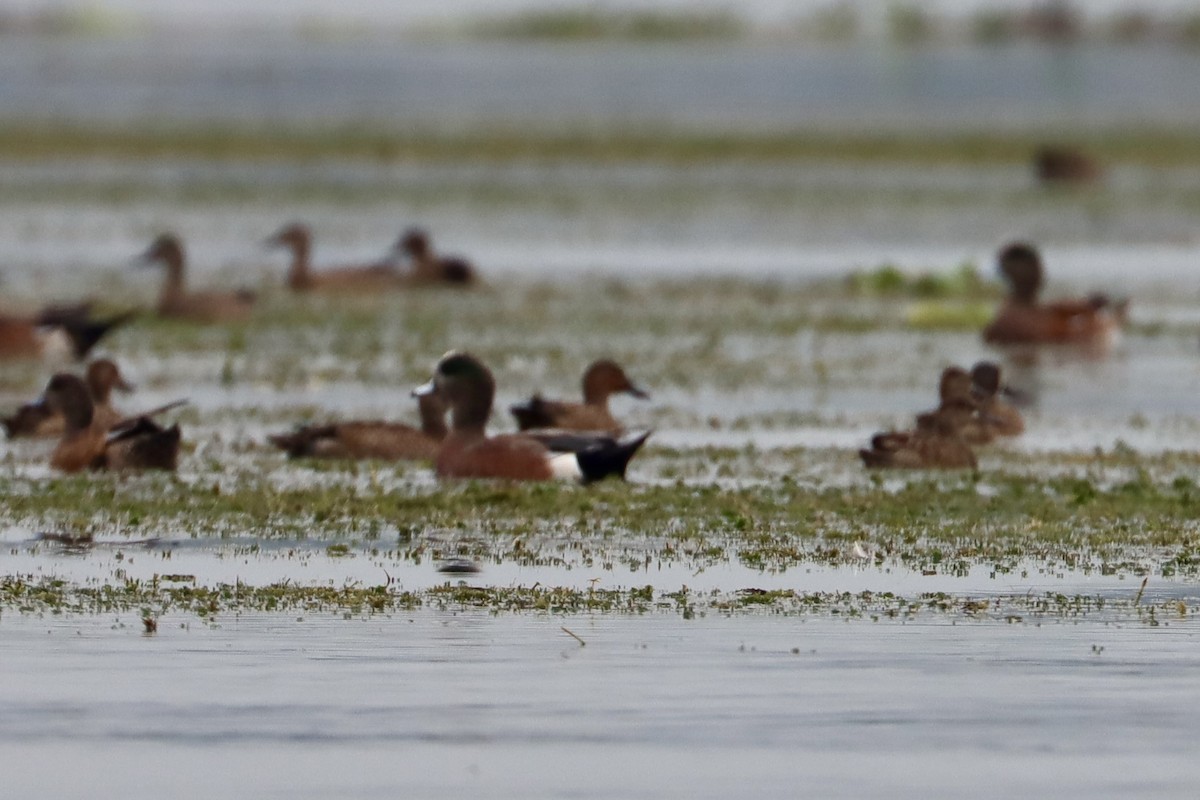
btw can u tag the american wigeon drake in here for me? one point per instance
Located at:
(1057, 165)
(1000, 416)
(601, 380)
(55, 334)
(935, 444)
(386, 441)
(468, 389)
(297, 238)
(137, 443)
(1093, 322)
(37, 420)
(176, 302)
(429, 268)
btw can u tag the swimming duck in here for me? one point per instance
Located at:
(1093, 322)
(386, 441)
(467, 388)
(427, 266)
(601, 380)
(366, 278)
(1065, 165)
(55, 334)
(935, 444)
(136, 443)
(36, 420)
(1001, 417)
(177, 302)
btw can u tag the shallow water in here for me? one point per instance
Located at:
(440, 705)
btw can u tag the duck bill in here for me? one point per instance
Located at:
(124, 386)
(638, 392)
(424, 390)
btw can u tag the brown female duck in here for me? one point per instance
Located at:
(1092, 322)
(386, 441)
(427, 266)
(467, 388)
(37, 420)
(176, 302)
(301, 277)
(137, 443)
(601, 380)
(935, 444)
(1058, 165)
(997, 414)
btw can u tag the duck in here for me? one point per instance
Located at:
(467, 387)
(935, 444)
(385, 441)
(1093, 322)
(35, 420)
(999, 416)
(137, 443)
(56, 334)
(427, 266)
(176, 302)
(365, 278)
(958, 408)
(601, 380)
(1059, 165)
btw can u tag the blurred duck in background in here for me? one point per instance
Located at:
(176, 302)
(1093, 322)
(297, 238)
(426, 267)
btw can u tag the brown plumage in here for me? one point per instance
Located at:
(1064, 165)
(176, 302)
(386, 441)
(37, 420)
(1001, 417)
(138, 443)
(429, 268)
(601, 380)
(301, 277)
(935, 444)
(467, 388)
(1092, 322)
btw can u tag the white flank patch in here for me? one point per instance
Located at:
(565, 467)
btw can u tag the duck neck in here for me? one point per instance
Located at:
(300, 275)
(433, 417)
(173, 286)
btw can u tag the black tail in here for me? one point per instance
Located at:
(608, 458)
(532, 414)
(63, 313)
(84, 334)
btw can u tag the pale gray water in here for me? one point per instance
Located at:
(269, 79)
(435, 704)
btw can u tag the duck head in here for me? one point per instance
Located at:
(1021, 266)
(466, 387)
(295, 236)
(955, 385)
(102, 377)
(985, 379)
(605, 377)
(166, 249)
(414, 242)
